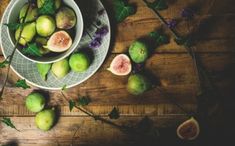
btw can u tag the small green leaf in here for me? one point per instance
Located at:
(184, 41)
(14, 26)
(4, 63)
(123, 9)
(64, 88)
(22, 84)
(82, 101)
(114, 114)
(32, 50)
(159, 38)
(8, 122)
(157, 4)
(48, 8)
(71, 105)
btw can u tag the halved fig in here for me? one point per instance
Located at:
(188, 130)
(59, 42)
(121, 65)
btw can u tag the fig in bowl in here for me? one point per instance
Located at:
(45, 35)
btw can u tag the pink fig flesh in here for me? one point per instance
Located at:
(121, 65)
(59, 42)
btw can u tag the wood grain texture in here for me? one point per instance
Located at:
(170, 65)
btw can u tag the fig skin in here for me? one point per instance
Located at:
(59, 42)
(65, 18)
(138, 52)
(121, 65)
(190, 129)
(35, 102)
(45, 119)
(32, 13)
(43, 70)
(41, 42)
(60, 69)
(28, 33)
(138, 84)
(41, 2)
(79, 62)
(45, 25)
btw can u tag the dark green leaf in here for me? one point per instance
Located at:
(4, 63)
(82, 101)
(22, 84)
(157, 4)
(114, 114)
(184, 41)
(8, 122)
(123, 10)
(159, 38)
(48, 8)
(71, 105)
(14, 26)
(32, 50)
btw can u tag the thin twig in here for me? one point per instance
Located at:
(189, 114)
(96, 117)
(13, 53)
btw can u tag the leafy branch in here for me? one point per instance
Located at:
(7, 121)
(9, 58)
(186, 42)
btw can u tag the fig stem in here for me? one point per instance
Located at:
(89, 34)
(12, 54)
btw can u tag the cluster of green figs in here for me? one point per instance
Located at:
(47, 31)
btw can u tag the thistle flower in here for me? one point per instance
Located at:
(172, 23)
(95, 43)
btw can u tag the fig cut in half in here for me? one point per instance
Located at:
(188, 130)
(59, 42)
(121, 65)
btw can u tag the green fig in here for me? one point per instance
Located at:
(138, 84)
(65, 18)
(45, 25)
(138, 52)
(32, 13)
(35, 102)
(28, 32)
(56, 2)
(60, 69)
(45, 119)
(42, 42)
(79, 62)
(43, 70)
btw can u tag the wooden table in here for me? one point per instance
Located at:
(170, 63)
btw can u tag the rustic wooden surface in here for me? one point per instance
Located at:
(169, 63)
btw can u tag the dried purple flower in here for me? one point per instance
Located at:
(101, 32)
(95, 43)
(187, 13)
(172, 23)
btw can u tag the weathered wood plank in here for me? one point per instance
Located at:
(124, 110)
(89, 132)
(175, 69)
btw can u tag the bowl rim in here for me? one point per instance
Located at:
(72, 85)
(69, 52)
